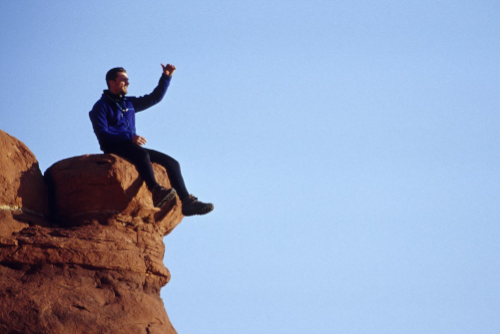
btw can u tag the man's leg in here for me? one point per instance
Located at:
(190, 204)
(173, 171)
(140, 158)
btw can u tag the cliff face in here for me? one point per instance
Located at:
(81, 249)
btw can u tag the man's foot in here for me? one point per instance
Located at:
(161, 195)
(191, 206)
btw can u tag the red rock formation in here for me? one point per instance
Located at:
(96, 264)
(23, 193)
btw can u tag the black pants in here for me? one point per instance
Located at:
(142, 158)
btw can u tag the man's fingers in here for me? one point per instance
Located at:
(139, 140)
(168, 69)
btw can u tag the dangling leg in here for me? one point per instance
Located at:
(173, 170)
(190, 204)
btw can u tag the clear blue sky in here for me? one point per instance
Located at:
(351, 149)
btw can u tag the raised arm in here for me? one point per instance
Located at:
(147, 101)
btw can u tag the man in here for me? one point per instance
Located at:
(113, 120)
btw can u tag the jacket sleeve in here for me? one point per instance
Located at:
(104, 134)
(146, 101)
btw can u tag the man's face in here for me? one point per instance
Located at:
(120, 85)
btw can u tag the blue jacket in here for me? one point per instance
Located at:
(113, 117)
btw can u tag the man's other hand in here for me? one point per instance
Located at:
(168, 70)
(138, 140)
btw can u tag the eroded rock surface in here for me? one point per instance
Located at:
(23, 193)
(94, 262)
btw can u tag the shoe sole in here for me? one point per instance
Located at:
(207, 209)
(168, 197)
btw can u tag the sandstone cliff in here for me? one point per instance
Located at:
(81, 248)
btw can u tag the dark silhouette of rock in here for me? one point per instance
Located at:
(93, 263)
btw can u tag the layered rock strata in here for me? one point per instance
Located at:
(81, 249)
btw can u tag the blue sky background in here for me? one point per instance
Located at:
(350, 148)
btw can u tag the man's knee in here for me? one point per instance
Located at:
(175, 164)
(143, 155)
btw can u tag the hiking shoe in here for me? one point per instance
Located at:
(191, 206)
(161, 195)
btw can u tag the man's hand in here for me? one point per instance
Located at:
(168, 70)
(138, 140)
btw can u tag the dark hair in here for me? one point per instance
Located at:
(113, 73)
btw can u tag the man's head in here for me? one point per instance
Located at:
(117, 81)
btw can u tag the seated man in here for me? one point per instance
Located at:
(113, 120)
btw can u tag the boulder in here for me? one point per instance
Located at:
(103, 187)
(23, 193)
